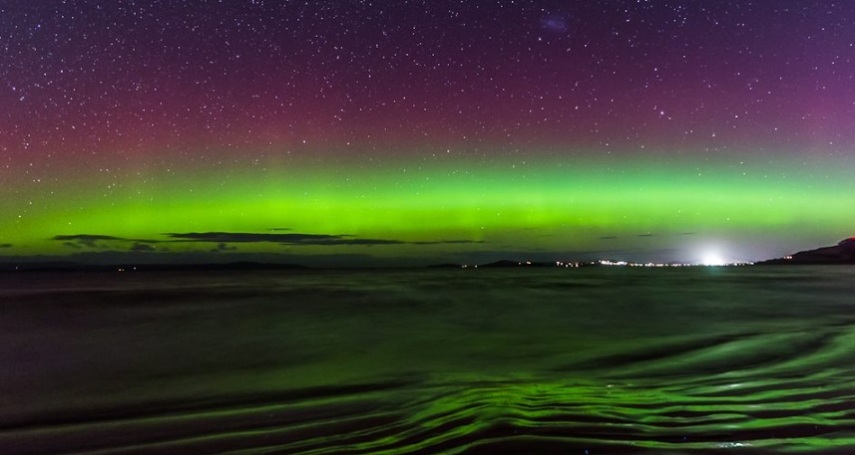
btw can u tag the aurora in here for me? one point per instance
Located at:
(448, 207)
(416, 134)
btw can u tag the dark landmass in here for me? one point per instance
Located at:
(79, 267)
(508, 264)
(505, 263)
(842, 253)
(70, 266)
(502, 264)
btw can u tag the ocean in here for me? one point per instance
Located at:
(600, 360)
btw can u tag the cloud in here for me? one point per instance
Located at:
(125, 257)
(448, 242)
(343, 241)
(223, 247)
(93, 241)
(141, 247)
(295, 239)
(85, 240)
(86, 237)
(224, 240)
(283, 239)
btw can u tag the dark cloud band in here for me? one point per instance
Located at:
(226, 238)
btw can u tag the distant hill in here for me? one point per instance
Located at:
(78, 267)
(842, 253)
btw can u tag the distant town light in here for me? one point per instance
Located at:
(713, 258)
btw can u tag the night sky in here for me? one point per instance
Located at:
(365, 132)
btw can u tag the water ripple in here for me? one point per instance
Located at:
(452, 415)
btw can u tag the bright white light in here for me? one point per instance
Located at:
(713, 258)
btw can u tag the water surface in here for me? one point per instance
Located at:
(595, 360)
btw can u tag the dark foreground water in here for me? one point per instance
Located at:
(587, 361)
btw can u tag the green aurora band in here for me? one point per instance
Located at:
(548, 204)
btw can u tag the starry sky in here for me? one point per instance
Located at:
(359, 132)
